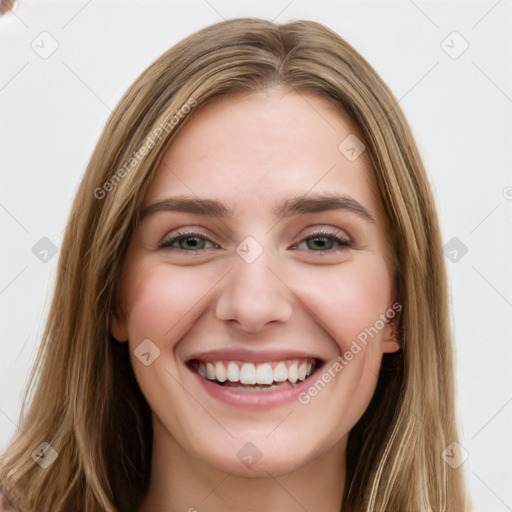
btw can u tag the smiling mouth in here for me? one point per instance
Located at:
(247, 376)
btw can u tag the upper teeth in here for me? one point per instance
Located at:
(248, 373)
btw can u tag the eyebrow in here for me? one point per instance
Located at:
(294, 206)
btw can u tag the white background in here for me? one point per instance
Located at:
(460, 109)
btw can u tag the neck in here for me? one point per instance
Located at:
(180, 482)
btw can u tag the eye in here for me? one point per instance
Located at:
(321, 241)
(325, 241)
(187, 241)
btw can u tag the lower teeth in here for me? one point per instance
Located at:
(256, 388)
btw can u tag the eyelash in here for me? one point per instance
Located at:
(324, 233)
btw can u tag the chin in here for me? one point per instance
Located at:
(259, 459)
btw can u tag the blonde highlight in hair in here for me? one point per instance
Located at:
(83, 398)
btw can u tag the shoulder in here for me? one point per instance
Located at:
(7, 502)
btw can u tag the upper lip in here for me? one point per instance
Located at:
(252, 356)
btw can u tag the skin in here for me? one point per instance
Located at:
(254, 151)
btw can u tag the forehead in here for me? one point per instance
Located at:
(252, 148)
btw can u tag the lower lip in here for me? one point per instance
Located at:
(256, 400)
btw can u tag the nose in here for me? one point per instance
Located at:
(254, 295)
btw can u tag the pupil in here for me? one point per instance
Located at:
(321, 242)
(191, 242)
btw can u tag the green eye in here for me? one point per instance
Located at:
(324, 242)
(317, 242)
(187, 242)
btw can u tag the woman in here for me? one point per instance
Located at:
(251, 304)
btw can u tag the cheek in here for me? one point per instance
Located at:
(348, 299)
(162, 301)
(162, 304)
(347, 302)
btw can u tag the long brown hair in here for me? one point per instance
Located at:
(83, 398)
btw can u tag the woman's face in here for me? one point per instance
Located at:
(261, 256)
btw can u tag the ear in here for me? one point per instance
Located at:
(390, 340)
(118, 328)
